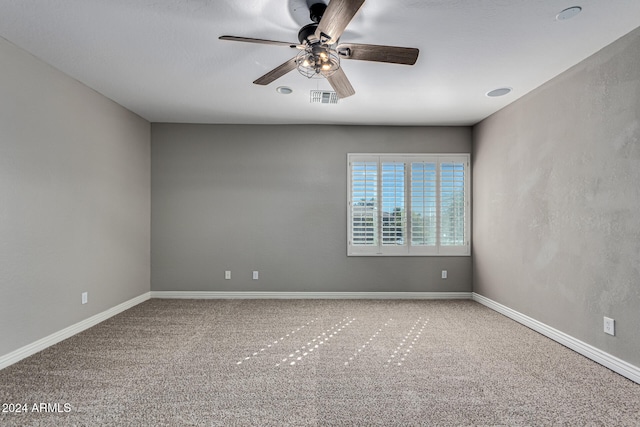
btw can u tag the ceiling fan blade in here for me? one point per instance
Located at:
(277, 72)
(336, 18)
(261, 41)
(378, 53)
(340, 83)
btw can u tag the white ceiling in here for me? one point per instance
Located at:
(162, 58)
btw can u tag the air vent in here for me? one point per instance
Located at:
(323, 97)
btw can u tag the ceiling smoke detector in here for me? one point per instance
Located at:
(568, 13)
(499, 92)
(324, 97)
(284, 90)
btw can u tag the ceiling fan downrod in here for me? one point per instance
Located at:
(307, 34)
(316, 11)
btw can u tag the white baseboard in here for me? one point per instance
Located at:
(617, 365)
(308, 295)
(41, 344)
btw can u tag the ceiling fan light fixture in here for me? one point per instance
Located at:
(317, 61)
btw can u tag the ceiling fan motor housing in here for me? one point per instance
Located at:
(307, 33)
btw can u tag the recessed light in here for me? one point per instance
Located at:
(568, 13)
(499, 92)
(284, 90)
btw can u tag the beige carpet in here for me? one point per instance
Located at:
(308, 362)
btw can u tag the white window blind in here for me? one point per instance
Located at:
(452, 204)
(364, 203)
(408, 204)
(394, 222)
(424, 218)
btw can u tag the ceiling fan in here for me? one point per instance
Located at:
(320, 54)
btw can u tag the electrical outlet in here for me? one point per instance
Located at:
(444, 274)
(85, 297)
(227, 275)
(609, 326)
(255, 275)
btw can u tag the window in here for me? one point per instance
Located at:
(408, 204)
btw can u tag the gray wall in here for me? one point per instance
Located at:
(273, 199)
(74, 201)
(556, 208)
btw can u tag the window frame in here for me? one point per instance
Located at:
(407, 249)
